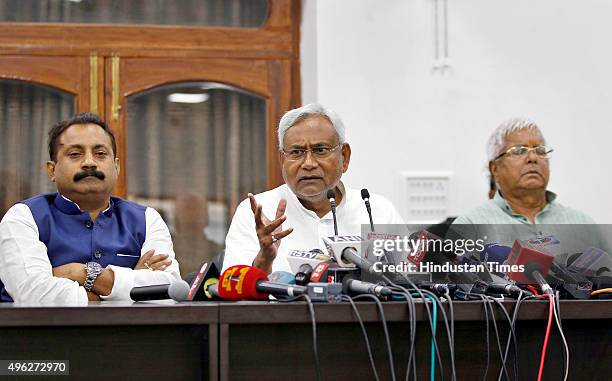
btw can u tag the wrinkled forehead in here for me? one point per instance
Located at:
(524, 137)
(312, 130)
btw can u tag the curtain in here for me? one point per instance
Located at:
(27, 113)
(231, 13)
(196, 162)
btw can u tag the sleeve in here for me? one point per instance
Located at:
(158, 238)
(241, 243)
(25, 268)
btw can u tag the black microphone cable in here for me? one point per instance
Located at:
(314, 330)
(486, 311)
(365, 334)
(489, 305)
(412, 320)
(385, 330)
(451, 312)
(511, 335)
(519, 303)
(452, 349)
(449, 334)
(427, 310)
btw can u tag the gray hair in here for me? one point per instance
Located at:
(292, 117)
(498, 137)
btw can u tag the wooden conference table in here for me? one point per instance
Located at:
(273, 341)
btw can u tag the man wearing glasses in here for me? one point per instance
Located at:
(522, 207)
(314, 154)
(519, 163)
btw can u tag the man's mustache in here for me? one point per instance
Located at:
(89, 172)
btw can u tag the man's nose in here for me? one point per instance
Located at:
(309, 161)
(88, 160)
(532, 157)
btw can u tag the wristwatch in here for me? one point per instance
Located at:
(93, 270)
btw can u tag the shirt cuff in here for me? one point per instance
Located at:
(124, 282)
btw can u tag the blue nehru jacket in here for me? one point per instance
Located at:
(115, 238)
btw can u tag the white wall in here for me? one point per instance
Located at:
(549, 60)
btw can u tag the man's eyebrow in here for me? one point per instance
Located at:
(315, 144)
(80, 146)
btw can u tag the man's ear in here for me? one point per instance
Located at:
(493, 169)
(117, 165)
(281, 157)
(51, 170)
(346, 156)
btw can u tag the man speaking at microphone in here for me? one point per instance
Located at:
(314, 154)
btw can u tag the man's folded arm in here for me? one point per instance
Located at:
(157, 238)
(25, 268)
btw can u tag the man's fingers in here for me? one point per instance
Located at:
(145, 257)
(280, 209)
(157, 258)
(258, 221)
(283, 234)
(148, 254)
(161, 265)
(252, 201)
(272, 226)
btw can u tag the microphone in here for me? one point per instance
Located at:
(297, 258)
(177, 291)
(523, 254)
(345, 249)
(302, 276)
(494, 252)
(577, 285)
(330, 272)
(357, 287)
(533, 272)
(250, 283)
(591, 263)
(365, 195)
(206, 276)
(331, 196)
(506, 289)
(437, 288)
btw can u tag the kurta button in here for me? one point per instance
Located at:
(97, 254)
(88, 224)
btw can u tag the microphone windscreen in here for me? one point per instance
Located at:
(178, 290)
(495, 252)
(529, 256)
(331, 194)
(365, 194)
(239, 283)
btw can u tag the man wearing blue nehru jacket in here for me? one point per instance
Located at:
(81, 243)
